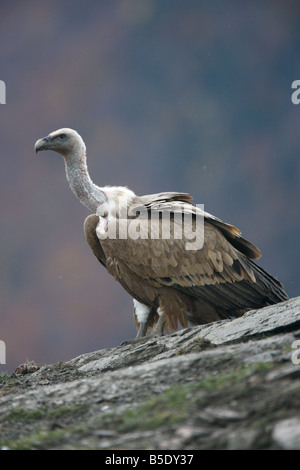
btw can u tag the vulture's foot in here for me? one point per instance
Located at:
(136, 340)
(141, 334)
(142, 331)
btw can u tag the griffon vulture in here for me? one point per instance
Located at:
(146, 243)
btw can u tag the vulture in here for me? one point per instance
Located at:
(179, 263)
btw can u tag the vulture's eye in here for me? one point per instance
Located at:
(61, 136)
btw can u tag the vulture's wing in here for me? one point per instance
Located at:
(151, 200)
(182, 203)
(233, 235)
(89, 229)
(219, 272)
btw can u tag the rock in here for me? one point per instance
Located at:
(269, 319)
(231, 384)
(242, 439)
(286, 433)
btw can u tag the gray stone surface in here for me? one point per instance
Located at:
(227, 385)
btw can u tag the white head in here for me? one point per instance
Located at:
(64, 141)
(70, 145)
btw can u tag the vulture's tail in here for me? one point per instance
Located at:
(270, 288)
(234, 299)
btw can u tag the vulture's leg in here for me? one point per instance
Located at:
(142, 330)
(142, 316)
(147, 317)
(159, 327)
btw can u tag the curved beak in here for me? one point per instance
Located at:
(42, 144)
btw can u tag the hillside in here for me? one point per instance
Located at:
(172, 95)
(226, 385)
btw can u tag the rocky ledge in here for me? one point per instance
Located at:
(232, 384)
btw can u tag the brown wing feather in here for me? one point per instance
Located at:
(149, 199)
(168, 262)
(218, 275)
(233, 235)
(89, 228)
(216, 281)
(182, 202)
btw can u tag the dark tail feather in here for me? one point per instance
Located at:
(235, 298)
(268, 286)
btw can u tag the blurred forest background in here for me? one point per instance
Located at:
(184, 95)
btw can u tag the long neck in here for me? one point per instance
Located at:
(80, 182)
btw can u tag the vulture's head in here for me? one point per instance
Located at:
(64, 141)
